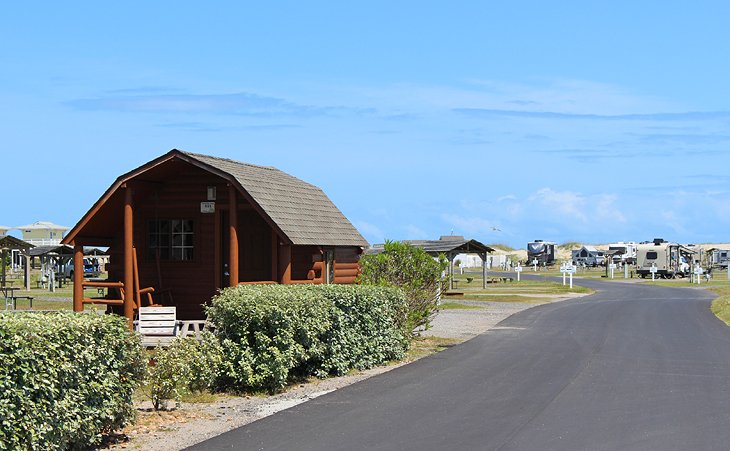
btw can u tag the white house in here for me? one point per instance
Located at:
(42, 233)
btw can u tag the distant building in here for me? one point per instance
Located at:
(42, 233)
(451, 246)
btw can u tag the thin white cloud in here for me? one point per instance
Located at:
(371, 232)
(569, 204)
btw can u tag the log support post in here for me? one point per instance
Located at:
(285, 264)
(78, 278)
(274, 255)
(129, 304)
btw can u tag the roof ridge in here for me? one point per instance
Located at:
(229, 160)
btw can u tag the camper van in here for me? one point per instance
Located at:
(670, 259)
(719, 258)
(623, 252)
(588, 256)
(542, 251)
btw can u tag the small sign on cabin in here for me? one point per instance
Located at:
(207, 207)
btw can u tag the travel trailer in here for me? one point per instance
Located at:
(670, 259)
(719, 258)
(542, 251)
(588, 256)
(625, 252)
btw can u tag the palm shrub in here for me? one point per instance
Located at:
(412, 270)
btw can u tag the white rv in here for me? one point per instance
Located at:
(624, 252)
(719, 258)
(588, 256)
(670, 259)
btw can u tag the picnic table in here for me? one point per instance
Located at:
(11, 299)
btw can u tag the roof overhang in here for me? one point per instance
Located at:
(8, 242)
(120, 182)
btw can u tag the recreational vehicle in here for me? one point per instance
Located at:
(719, 258)
(624, 252)
(670, 259)
(542, 251)
(588, 256)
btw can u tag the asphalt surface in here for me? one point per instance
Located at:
(632, 367)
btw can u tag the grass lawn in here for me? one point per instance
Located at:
(43, 299)
(423, 346)
(721, 305)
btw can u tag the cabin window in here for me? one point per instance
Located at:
(651, 255)
(171, 238)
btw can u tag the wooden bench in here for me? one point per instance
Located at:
(157, 325)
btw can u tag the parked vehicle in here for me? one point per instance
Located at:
(625, 252)
(719, 258)
(670, 259)
(91, 268)
(542, 251)
(588, 256)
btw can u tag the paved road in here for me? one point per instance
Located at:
(632, 367)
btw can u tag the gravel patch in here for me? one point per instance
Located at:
(195, 423)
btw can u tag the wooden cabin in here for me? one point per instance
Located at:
(185, 225)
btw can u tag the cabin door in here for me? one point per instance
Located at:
(225, 250)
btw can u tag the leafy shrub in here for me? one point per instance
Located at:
(65, 378)
(271, 334)
(186, 366)
(411, 269)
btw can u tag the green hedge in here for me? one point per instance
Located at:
(271, 334)
(65, 378)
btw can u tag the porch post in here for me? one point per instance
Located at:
(233, 233)
(274, 255)
(451, 270)
(3, 257)
(286, 264)
(484, 270)
(26, 272)
(128, 258)
(78, 278)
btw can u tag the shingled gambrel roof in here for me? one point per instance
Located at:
(302, 211)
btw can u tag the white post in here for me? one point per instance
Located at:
(518, 270)
(626, 270)
(698, 273)
(534, 262)
(571, 280)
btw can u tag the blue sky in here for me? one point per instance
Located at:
(587, 121)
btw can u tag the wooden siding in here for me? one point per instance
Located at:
(175, 192)
(347, 267)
